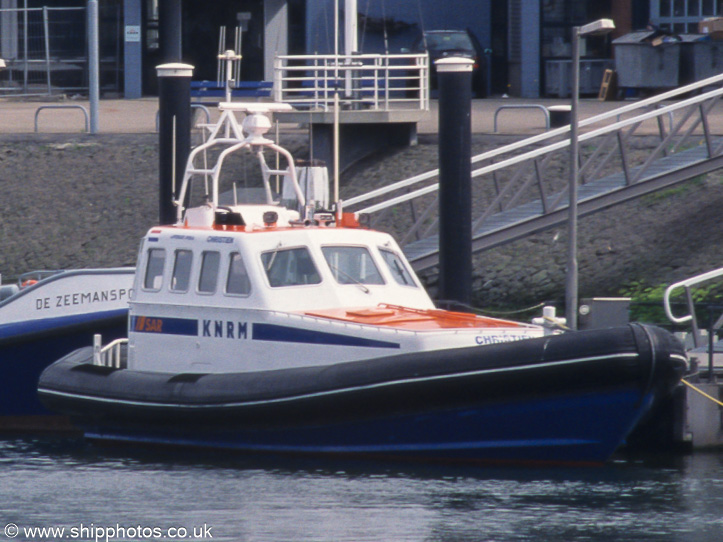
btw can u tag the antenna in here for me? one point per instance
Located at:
(230, 57)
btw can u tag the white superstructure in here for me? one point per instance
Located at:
(259, 287)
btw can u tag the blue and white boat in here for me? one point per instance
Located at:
(47, 314)
(260, 329)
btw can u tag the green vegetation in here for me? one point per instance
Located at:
(674, 191)
(647, 302)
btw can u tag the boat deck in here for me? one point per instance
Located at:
(414, 319)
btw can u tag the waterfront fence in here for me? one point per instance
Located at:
(46, 53)
(365, 82)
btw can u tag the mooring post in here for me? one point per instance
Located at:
(170, 19)
(455, 179)
(174, 133)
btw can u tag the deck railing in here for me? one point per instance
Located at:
(365, 82)
(110, 355)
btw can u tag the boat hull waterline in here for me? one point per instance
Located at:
(48, 319)
(570, 398)
(22, 359)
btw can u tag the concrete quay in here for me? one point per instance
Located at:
(139, 116)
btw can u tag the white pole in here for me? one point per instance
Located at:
(350, 43)
(336, 48)
(97, 346)
(336, 28)
(336, 148)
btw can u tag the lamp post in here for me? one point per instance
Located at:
(601, 26)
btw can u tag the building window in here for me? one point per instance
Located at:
(681, 16)
(557, 19)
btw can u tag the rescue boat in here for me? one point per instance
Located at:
(259, 328)
(45, 315)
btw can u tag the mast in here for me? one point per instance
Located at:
(351, 44)
(351, 40)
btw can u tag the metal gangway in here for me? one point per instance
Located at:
(522, 188)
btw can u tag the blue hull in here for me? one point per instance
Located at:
(26, 349)
(580, 429)
(572, 398)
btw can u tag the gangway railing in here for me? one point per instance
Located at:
(364, 82)
(520, 189)
(687, 286)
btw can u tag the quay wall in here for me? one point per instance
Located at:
(73, 201)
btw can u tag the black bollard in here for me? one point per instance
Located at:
(170, 17)
(174, 134)
(455, 179)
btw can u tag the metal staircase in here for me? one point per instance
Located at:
(522, 188)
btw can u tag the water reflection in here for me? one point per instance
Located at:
(66, 481)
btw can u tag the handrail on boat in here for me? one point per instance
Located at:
(227, 132)
(108, 355)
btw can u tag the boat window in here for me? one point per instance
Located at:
(397, 267)
(352, 265)
(238, 280)
(182, 271)
(290, 267)
(210, 263)
(154, 269)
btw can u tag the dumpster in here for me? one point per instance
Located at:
(558, 75)
(647, 59)
(700, 58)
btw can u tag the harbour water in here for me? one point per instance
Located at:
(90, 493)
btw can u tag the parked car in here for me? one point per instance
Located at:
(444, 43)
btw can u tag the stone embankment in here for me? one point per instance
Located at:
(80, 201)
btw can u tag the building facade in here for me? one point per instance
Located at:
(521, 39)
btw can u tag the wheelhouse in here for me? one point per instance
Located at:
(311, 268)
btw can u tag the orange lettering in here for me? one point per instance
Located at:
(154, 324)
